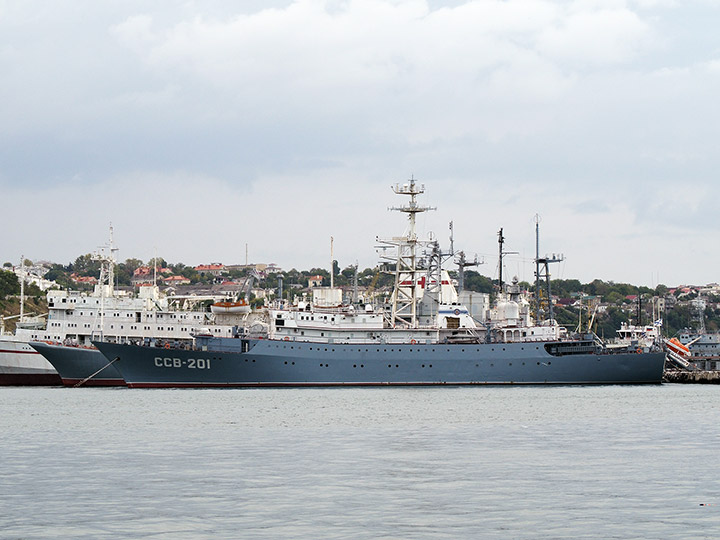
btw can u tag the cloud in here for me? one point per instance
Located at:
(292, 118)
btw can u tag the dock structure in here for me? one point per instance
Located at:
(691, 377)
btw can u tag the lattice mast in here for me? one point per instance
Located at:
(542, 271)
(405, 294)
(106, 256)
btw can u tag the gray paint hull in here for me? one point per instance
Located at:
(282, 363)
(75, 364)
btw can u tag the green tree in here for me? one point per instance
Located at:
(474, 281)
(159, 261)
(9, 284)
(86, 266)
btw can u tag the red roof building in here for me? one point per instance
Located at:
(176, 280)
(214, 269)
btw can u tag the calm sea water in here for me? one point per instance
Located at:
(518, 462)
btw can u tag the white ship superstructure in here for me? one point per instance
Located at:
(424, 308)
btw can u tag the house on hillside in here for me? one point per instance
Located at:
(84, 280)
(212, 269)
(146, 275)
(176, 280)
(315, 281)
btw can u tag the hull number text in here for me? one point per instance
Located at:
(190, 363)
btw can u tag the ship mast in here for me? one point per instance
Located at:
(405, 296)
(107, 272)
(501, 254)
(22, 287)
(544, 274)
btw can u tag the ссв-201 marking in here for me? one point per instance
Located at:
(190, 363)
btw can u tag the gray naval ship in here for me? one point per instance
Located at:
(227, 362)
(423, 336)
(79, 365)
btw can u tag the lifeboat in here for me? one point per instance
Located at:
(675, 346)
(241, 306)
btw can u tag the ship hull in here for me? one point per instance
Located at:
(78, 364)
(21, 365)
(255, 363)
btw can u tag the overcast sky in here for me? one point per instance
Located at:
(200, 128)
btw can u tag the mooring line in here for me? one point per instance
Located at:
(86, 379)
